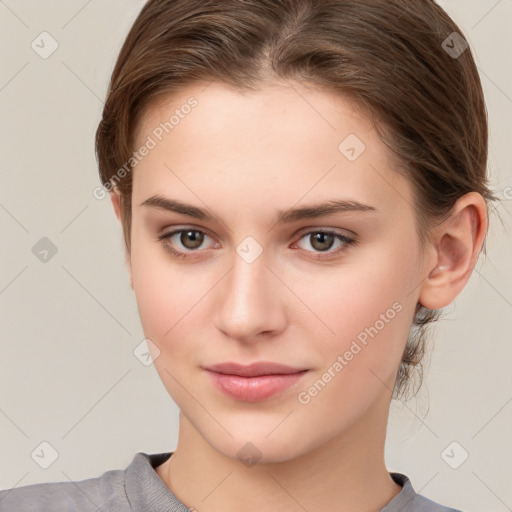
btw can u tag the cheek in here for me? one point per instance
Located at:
(164, 292)
(368, 308)
(168, 303)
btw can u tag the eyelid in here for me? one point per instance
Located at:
(323, 229)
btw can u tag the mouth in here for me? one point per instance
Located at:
(255, 382)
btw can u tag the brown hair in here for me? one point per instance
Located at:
(392, 57)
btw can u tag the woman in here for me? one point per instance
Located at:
(301, 186)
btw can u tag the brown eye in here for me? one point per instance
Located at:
(184, 243)
(322, 241)
(191, 239)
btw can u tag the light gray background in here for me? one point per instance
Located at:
(68, 375)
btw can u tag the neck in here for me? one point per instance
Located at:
(337, 476)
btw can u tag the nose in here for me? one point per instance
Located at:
(250, 301)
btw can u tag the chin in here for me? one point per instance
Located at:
(255, 446)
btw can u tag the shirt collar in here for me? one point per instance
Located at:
(146, 491)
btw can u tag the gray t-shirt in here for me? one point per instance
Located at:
(138, 488)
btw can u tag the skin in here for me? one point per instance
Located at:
(245, 157)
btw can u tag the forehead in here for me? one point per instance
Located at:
(284, 142)
(276, 107)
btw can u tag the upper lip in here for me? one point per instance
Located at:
(254, 369)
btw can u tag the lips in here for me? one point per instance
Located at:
(254, 369)
(254, 382)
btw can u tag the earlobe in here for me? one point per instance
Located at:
(458, 242)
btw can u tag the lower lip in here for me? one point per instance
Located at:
(254, 389)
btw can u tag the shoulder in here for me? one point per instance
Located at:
(409, 500)
(422, 504)
(82, 496)
(105, 492)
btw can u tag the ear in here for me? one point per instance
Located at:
(115, 197)
(457, 243)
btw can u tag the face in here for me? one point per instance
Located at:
(253, 270)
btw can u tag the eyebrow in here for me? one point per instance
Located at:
(287, 216)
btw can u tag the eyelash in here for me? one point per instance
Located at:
(348, 241)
